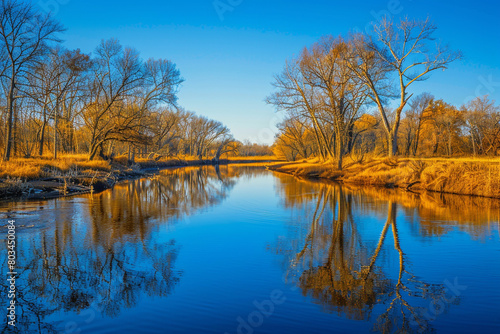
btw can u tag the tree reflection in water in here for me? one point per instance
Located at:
(102, 254)
(338, 269)
(334, 279)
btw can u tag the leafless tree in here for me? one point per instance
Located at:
(55, 86)
(25, 36)
(482, 123)
(404, 52)
(327, 68)
(295, 95)
(414, 118)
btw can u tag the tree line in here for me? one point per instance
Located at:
(110, 102)
(353, 95)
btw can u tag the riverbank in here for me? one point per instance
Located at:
(46, 178)
(463, 176)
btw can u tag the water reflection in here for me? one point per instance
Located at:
(100, 254)
(329, 264)
(133, 209)
(435, 215)
(334, 260)
(348, 249)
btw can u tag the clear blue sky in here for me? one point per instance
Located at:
(228, 58)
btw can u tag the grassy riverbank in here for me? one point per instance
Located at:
(42, 178)
(464, 176)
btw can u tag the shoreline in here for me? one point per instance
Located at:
(448, 176)
(95, 181)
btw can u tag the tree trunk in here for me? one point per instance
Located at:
(417, 138)
(93, 152)
(392, 142)
(15, 134)
(340, 152)
(95, 145)
(449, 145)
(473, 145)
(42, 134)
(10, 120)
(56, 120)
(219, 152)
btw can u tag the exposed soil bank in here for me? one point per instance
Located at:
(76, 182)
(453, 176)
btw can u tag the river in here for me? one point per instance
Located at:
(245, 250)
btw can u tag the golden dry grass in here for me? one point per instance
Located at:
(33, 168)
(252, 164)
(123, 159)
(309, 168)
(185, 160)
(383, 172)
(466, 176)
(256, 158)
(456, 177)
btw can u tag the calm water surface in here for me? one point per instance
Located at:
(244, 250)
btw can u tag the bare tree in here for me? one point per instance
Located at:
(165, 129)
(295, 95)
(54, 85)
(326, 67)
(25, 35)
(295, 138)
(206, 133)
(414, 117)
(404, 52)
(123, 93)
(226, 144)
(482, 123)
(117, 72)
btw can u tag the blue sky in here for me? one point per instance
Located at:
(228, 56)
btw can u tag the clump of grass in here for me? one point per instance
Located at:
(11, 187)
(385, 173)
(463, 177)
(101, 165)
(308, 169)
(417, 167)
(392, 162)
(20, 168)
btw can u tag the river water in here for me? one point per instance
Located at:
(245, 250)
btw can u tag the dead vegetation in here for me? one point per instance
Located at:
(46, 177)
(478, 177)
(35, 168)
(469, 178)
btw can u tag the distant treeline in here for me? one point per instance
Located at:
(349, 96)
